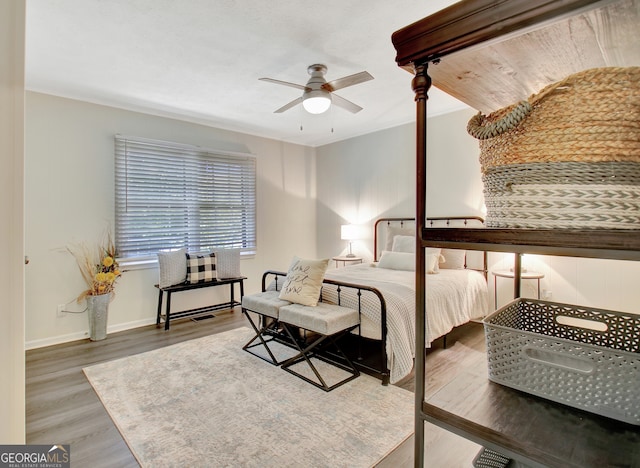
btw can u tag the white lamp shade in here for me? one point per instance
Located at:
(349, 232)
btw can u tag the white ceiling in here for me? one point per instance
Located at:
(200, 60)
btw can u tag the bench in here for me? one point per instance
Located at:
(189, 286)
(311, 331)
(267, 306)
(329, 322)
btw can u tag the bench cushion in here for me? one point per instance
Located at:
(266, 303)
(326, 319)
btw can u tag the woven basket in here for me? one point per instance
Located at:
(569, 157)
(563, 195)
(590, 116)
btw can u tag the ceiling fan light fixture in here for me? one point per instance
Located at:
(317, 101)
(318, 95)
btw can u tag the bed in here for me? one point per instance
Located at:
(384, 292)
(456, 293)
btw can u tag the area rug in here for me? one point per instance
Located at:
(206, 402)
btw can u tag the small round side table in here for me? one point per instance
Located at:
(344, 259)
(509, 274)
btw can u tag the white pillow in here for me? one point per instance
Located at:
(393, 231)
(304, 281)
(453, 259)
(172, 267)
(404, 244)
(434, 258)
(397, 261)
(228, 263)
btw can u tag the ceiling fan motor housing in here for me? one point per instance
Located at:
(314, 90)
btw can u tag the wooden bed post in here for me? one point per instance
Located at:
(420, 85)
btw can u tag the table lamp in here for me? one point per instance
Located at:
(349, 232)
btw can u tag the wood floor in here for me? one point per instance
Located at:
(62, 408)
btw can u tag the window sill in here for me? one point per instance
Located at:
(149, 263)
(138, 264)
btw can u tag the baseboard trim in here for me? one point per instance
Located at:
(54, 340)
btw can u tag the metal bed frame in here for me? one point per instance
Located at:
(370, 355)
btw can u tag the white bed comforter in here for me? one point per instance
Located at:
(453, 297)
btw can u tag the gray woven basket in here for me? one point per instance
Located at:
(582, 195)
(582, 357)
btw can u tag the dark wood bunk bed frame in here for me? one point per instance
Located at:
(527, 429)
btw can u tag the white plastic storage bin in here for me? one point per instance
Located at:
(583, 357)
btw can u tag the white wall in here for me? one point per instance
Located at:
(374, 175)
(360, 180)
(12, 371)
(70, 199)
(605, 284)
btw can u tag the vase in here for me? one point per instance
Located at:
(98, 311)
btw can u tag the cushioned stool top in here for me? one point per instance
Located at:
(324, 318)
(266, 303)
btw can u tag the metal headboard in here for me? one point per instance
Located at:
(444, 221)
(388, 221)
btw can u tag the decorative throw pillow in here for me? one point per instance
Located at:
(172, 267)
(404, 244)
(303, 283)
(201, 267)
(398, 261)
(453, 259)
(228, 263)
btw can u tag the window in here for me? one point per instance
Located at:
(170, 195)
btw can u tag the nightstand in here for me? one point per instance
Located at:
(344, 259)
(509, 274)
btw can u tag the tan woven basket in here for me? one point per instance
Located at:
(591, 116)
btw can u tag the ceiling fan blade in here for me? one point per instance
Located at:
(345, 81)
(295, 102)
(342, 102)
(285, 83)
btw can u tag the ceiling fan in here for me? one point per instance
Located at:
(318, 93)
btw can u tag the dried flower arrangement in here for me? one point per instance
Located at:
(98, 266)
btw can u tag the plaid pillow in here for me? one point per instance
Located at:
(201, 268)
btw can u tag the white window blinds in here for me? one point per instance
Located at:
(170, 196)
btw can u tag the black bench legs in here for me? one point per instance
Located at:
(329, 322)
(168, 315)
(266, 305)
